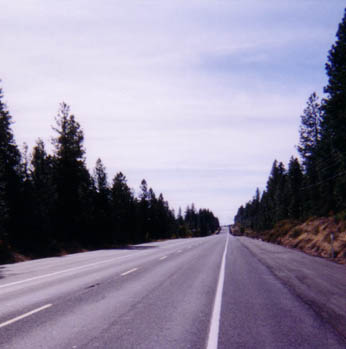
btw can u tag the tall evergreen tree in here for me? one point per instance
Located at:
(123, 211)
(100, 177)
(10, 180)
(72, 178)
(28, 240)
(44, 194)
(294, 186)
(310, 131)
(143, 211)
(4, 211)
(310, 150)
(180, 217)
(334, 125)
(102, 205)
(335, 104)
(276, 192)
(256, 208)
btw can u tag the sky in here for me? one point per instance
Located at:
(197, 97)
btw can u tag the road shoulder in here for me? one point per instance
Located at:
(318, 283)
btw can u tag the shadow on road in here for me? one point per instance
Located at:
(2, 272)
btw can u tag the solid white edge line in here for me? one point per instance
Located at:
(25, 315)
(129, 271)
(215, 319)
(164, 257)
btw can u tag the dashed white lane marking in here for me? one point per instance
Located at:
(64, 271)
(215, 319)
(164, 257)
(76, 268)
(25, 315)
(129, 271)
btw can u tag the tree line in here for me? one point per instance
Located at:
(316, 185)
(52, 201)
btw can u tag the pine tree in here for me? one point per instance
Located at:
(189, 218)
(123, 211)
(266, 213)
(256, 210)
(310, 131)
(102, 206)
(144, 218)
(294, 183)
(12, 226)
(333, 176)
(4, 211)
(276, 193)
(29, 240)
(180, 217)
(153, 216)
(44, 194)
(100, 177)
(72, 178)
(310, 150)
(335, 104)
(144, 193)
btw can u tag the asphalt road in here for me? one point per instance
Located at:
(214, 292)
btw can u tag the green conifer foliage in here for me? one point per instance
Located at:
(71, 176)
(334, 125)
(10, 178)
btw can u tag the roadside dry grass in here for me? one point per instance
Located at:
(312, 237)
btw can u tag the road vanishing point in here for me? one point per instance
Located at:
(219, 291)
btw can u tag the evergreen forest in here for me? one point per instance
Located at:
(315, 184)
(51, 202)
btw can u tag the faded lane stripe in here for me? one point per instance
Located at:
(25, 315)
(129, 271)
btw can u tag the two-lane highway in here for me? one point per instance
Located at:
(188, 293)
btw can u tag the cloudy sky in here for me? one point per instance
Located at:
(198, 97)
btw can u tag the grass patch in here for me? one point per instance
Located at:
(285, 226)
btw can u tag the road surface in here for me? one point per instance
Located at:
(214, 292)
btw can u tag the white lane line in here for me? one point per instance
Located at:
(164, 257)
(176, 244)
(64, 271)
(215, 319)
(129, 271)
(25, 315)
(79, 268)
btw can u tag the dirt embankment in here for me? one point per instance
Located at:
(324, 237)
